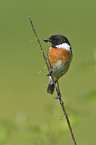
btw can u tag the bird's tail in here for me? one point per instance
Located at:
(50, 88)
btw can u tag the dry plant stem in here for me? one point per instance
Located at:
(39, 44)
(47, 64)
(57, 87)
(68, 122)
(65, 114)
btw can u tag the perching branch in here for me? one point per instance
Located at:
(57, 87)
(39, 44)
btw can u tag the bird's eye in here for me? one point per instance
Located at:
(56, 39)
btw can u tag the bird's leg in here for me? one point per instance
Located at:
(58, 91)
(51, 69)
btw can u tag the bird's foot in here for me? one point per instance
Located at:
(58, 96)
(50, 72)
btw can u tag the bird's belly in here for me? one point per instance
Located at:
(59, 69)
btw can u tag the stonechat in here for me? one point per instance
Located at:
(60, 57)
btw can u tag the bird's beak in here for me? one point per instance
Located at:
(47, 40)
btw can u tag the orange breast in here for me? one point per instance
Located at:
(59, 54)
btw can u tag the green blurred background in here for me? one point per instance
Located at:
(28, 115)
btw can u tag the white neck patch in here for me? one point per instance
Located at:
(63, 45)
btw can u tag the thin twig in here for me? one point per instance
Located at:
(57, 88)
(68, 122)
(39, 44)
(43, 54)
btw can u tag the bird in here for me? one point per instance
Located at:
(59, 57)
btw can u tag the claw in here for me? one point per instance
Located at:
(58, 96)
(50, 72)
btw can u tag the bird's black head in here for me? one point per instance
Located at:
(56, 40)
